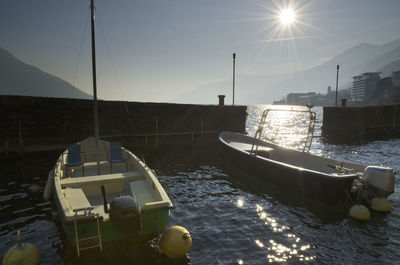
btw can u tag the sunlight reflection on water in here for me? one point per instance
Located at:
(279, 251)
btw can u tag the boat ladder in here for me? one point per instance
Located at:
(257, 136)
(87, 212)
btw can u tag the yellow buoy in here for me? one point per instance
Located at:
(359, 212)
(175, 242)
(22, 254)
(381, 205)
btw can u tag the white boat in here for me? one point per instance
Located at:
(104, 192)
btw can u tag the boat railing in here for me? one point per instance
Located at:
(310, 129)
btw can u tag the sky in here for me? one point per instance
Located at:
(156, 50)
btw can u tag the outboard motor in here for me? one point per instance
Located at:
(376, 182)
(125, 215)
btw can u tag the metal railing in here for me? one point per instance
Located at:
(310, 130)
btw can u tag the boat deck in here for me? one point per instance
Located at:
(84, 192)
(247, 146)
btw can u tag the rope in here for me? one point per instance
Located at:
(115, 72)
(80, 49)
(118, 83)
(75, 72)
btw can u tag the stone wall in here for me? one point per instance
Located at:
(45, 122)
(358, 124)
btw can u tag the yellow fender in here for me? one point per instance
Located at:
(176, 242)
(359, 212)
(381, 205)
(22, 254)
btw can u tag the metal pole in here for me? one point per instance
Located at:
(156, 131)
(233, 80)
(95, 110)
(337, 79)
(201, 128)
(21, 141)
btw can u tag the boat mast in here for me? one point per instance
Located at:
(95, 110)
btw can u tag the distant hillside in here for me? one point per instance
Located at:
(389, 68)
(18, 78)
(207, 94)
(266, 89)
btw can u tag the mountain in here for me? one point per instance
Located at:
(18, 78)
(383, 61)
(265, 89)
(389, 68)
(207, 94)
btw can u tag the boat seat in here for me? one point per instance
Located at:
(149, 206)
(116, 155)
(142, 192)
(147, 196)
(101, 179)
(76, 198)
(74, 158)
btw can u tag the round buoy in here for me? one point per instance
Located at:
(381, 205)
(175, 242)
(359, 212)
(22, 254)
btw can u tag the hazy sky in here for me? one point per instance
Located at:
(155, 50)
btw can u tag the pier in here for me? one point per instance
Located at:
(33, 124)
(343, 125)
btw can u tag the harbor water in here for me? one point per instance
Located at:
(231, 220)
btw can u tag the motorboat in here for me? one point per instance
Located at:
(318, 177)
(106, 195)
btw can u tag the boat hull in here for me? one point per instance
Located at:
(316, 185)
(154, 224)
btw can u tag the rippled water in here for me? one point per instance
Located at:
(230, 220)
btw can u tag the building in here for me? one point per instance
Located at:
(396, 79)
(363, 85)
(300, 98)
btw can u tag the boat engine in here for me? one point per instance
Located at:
(376, 182)
(125, 215)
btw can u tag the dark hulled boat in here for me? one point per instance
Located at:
(324, 179)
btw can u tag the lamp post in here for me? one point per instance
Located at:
(337, 78)
(233, 81)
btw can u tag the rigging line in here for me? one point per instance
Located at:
(80, 48)
(138, 143)
(76, 71)
(114, 70)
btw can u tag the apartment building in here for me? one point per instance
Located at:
(363, 85)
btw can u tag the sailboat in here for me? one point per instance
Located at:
(103, 191)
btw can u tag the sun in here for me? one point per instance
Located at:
(287, 16)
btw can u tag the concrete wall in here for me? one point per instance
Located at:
(357, 124)
(39, 123)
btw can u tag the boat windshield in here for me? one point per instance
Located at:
(291, 127)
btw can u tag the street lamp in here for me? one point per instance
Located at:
(233, 80)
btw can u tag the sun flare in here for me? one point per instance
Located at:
(287, 16)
